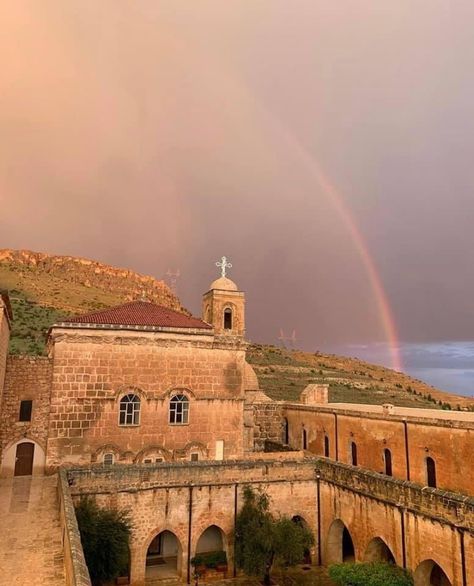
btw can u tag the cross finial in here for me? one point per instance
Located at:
(223, 265)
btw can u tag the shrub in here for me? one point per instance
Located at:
(370, 574)
(105, 535)
(210, 560)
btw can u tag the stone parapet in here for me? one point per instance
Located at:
(77, 573)
(451, 508)
(395, 414)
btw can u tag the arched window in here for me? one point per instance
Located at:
(387, 456)
(108, 459)
(227, 318)
(353, 454)
(431, 472)
(305, 439)
(129, 410)
(179, 409)
(286, 432)
(326, 446)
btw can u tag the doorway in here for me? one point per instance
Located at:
(24, 459)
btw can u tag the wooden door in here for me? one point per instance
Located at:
(24, 459)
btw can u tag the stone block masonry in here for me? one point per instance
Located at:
(27, 378)
(415, 523)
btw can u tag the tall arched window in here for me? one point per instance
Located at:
(179, 409)
(286, 432)
(387, 456)
(129, 410)
(326, 446)
(353, 454)
(227, 318)
(305, 439)
(431, 472)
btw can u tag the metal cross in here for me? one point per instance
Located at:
(223, 265)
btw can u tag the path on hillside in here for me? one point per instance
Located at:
(30, 534)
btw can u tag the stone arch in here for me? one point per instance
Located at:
(122, 390)
(430, 573)
(178, 391)
(378, 551)
(212, 539)
(152, 453)
(163, 556)
(301, 521)
(9, 457)
(193, 448)
(98, 455)
(339, 544)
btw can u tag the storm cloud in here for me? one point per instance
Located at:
(157, 135)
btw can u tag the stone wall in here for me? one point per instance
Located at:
(415, 523)
(4, 341)
(267, 424)
(94, 370)
(27, 378)
(410, 439)
(75, 566)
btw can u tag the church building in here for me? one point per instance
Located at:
(137, 383)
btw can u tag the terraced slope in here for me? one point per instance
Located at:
(283, 374)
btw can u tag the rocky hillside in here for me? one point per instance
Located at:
(45, 288)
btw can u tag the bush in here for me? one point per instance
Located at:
(105, 535)
(370, 574)
(210, 560)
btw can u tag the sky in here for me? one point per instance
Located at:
(324, 147)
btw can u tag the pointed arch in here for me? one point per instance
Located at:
(430, 573)
(378, 551)
(339, 544)
(164, 556)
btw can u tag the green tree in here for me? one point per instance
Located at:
(370, 574)
(105, 536)
(261, 540)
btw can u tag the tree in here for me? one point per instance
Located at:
(261, 540)
(370, 574)
(105, 535)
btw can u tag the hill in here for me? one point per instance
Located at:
(45, 288)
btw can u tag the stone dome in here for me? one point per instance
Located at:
(224, 284)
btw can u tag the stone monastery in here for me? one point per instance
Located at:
(157, 412)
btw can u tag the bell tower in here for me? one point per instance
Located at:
(223, 306)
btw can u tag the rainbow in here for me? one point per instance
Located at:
(336, 199)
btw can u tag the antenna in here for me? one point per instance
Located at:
(284, 339)
(173, 277)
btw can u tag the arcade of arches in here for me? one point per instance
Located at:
(353, 514)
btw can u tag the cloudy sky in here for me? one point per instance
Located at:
(325, 147)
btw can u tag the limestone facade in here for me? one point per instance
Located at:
(360, 469)
(5, 318)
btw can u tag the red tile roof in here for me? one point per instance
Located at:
(140, 313)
